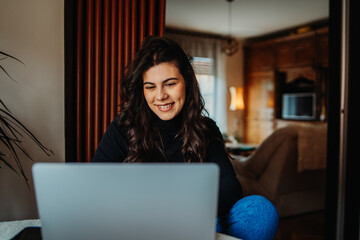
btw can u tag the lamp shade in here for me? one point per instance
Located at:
(237, 98)
(270, 102)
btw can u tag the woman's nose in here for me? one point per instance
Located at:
(161, 94)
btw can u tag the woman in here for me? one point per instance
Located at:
(161, 121)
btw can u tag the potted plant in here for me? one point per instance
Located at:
(12, 132)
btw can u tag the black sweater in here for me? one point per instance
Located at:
(113, 147)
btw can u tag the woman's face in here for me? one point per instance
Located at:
(164, 90)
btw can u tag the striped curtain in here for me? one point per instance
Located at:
(102, 36)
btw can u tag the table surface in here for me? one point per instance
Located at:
(240, 149)
(10, 228)
(241, 146)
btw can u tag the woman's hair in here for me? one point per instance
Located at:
(145, 143)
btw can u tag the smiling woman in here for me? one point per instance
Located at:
(161, 120)
(161, 86)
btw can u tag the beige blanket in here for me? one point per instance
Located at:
(312, 143)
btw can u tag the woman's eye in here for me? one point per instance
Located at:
(170, 84)
(149, 87)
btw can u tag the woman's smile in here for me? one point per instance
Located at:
(166, 107)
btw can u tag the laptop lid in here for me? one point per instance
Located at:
(127, 201)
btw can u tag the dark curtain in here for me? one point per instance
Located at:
(101, 38)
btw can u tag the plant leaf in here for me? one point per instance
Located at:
(21, 147)
(9, 165)
(10, 133)
(30, 134)
(10, 125)
(8, 55)
(3, 104)
(7, 73)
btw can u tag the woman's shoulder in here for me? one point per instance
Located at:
(113, 145)
(116, 129)
(210, 123)
(212, 126)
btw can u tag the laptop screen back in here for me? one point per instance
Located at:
(127, 201)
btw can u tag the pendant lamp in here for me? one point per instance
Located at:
(230, 45)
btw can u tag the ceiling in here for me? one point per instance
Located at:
(249, 18)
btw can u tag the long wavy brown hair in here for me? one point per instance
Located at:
(144, 140)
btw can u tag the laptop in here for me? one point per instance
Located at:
(149, 201)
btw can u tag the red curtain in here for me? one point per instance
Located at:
(108, 33)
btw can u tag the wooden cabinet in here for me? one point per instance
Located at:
(270, 65)
(259, 116)
(259, 58)
(296, 52)
(322, 48)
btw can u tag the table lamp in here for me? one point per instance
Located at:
(236, 104)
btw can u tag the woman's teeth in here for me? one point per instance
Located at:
(163, 107)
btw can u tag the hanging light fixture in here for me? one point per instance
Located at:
(230, 45)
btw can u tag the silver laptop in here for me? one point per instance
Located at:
(127, 201)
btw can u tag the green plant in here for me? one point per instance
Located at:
(12, 132)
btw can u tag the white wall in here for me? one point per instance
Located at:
(32, 31)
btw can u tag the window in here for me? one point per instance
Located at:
(203, 68)
(208, 64)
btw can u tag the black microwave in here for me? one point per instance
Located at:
(299, 106)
